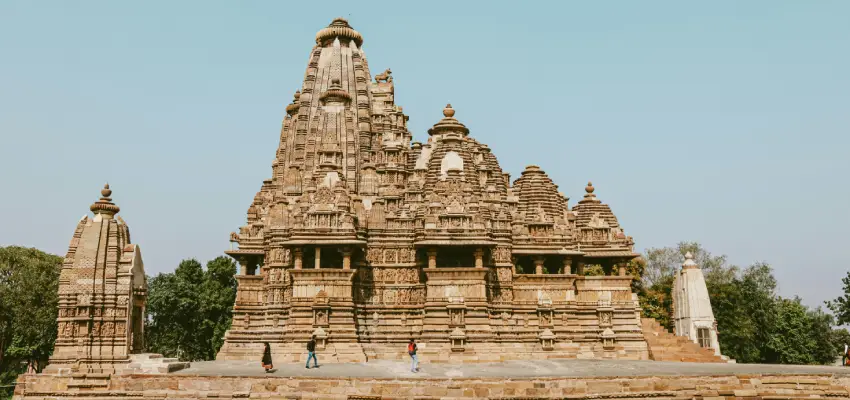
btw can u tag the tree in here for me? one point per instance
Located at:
(800, 335)
(664, 262)
(593, 270)
(29, 281)
(755, 325)
(189, 310)
(840, 306)
(840, 338)
(657, 302)
(218, 295)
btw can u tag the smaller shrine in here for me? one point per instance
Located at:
(102, 294)
(692, 313)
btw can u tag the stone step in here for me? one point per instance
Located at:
(665, 346)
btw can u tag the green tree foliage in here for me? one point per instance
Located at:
(755, 325)
(840, 338)
(593, 270)
(840, 306)
(190, 309)
(657, 303)
(660, 266)
(28, 309)
(664, 262)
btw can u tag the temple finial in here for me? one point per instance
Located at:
(689, 261)
(105, 206)
(589, 188)
(448, 112)
(449, 125)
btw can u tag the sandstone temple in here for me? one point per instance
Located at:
(366, 238)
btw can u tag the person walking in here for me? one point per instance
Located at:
(414, 360)
(267, 358)
(311, 352)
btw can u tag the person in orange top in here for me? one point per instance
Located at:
(414, 361)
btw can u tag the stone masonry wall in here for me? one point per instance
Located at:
(666, 387)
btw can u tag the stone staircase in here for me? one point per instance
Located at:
(153, 364)
(665, 346)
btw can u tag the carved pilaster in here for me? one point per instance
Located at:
(479, 258)
(318, 258)
(243, 266)
(298, 258)
(346, 258)
(538, 265)
(568, 265)
(432, 258)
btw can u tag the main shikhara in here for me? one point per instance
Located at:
(367, 239)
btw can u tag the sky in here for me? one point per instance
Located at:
(723, 122)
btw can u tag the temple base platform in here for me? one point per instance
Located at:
(574, 379)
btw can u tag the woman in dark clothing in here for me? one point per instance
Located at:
(267, 358)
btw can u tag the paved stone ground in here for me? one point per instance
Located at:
(514, 369)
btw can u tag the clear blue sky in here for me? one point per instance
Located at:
(722, 122)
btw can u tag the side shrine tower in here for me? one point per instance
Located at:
(102, 294)
(367, 239)
(692, 313)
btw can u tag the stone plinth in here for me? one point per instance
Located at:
(524, 384)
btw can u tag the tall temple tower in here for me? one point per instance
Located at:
(692, 313)
(367, 239)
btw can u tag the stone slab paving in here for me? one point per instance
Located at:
(512, 369)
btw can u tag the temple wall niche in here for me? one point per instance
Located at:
(451, 161)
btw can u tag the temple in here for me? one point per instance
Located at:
(367, 239)
(692, 313)
(102, 295)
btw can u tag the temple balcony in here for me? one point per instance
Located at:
(552, 289)
(598, 290)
